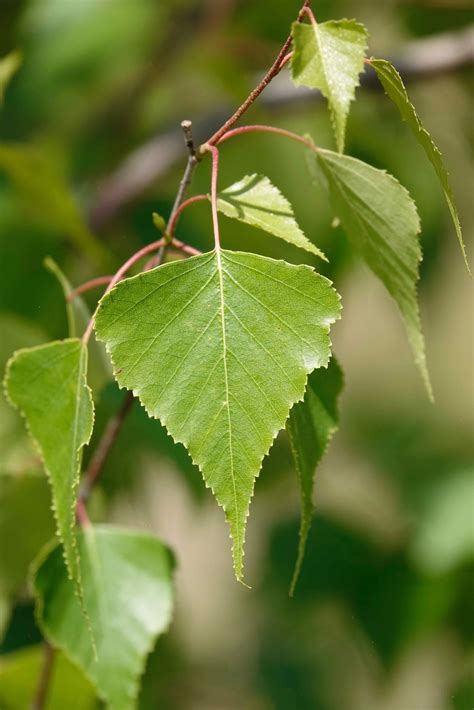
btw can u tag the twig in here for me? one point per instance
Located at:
(103, 448)
(418, 60)
(40, 698)
(271, 74)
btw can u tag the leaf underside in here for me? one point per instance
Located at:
(218, 347)
(395, 89)
(382, 223)
(48, 385)
(310, 428)
(127, 589)
(256, 201)
(329, 56)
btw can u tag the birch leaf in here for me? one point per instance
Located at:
(329, 56)
(382, 223)
(254, 200)
(127, 593)
(219, 347)
(48, 385)
(310, 428)
(395, 89)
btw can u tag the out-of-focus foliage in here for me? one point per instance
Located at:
(382, 615)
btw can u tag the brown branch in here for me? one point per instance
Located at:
(418, 60)
(271, 74)
(39, 701)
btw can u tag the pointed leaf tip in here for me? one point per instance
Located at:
(396, 91)
(311, 426)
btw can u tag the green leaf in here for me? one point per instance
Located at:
(19, 673)
(9, 65)
(395, 89)
(218, 347)
(44, 192)
(329, 57)
(310, 428)
(48, 385)
(254, 200)
(99, 371)
(26, 519)
(382, 223)
(126, 578)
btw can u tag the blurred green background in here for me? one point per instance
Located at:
(382, 616)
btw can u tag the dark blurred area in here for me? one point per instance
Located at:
(90, 146)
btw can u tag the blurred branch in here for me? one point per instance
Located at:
(422, 59)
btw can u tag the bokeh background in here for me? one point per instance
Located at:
(89, 146)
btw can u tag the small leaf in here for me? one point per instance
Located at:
(254, 200)
(48, 385)
(395, 89)
(99, 370)
(382, 223)
(126, 578)
(9, 65)
(19, 673)
(45, 193)
(159, 222)
(218, 347)
(329, 57)
(310, 428)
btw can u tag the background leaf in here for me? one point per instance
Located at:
(126, 578)
(218, 347)
(382, 223)
(254, 200)
(395, 89)
(19, 673)
(9, 65)
(48, 385)
(310, 428)
(329, 56)
(45, 193)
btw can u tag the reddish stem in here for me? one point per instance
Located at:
(310, 14)
(101, 452)
(81, 513)
(181, 208)
(88, 285)
(285, 59)
(215, 172)
(271, 74)
(268, 129)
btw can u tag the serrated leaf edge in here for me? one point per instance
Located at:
(136, 393)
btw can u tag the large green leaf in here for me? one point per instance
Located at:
(381, 221)
(254, 200)
(127, 589)
(68, 689)
(8, 66)
(45, 193)
(329, 57)
(395, 89)
(310, 428)
(219, 348)
(99, 370)
(48, 385)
